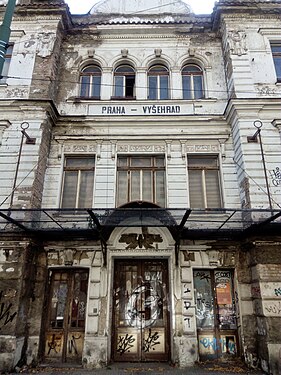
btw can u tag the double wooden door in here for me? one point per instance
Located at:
(65, 325)
(140, 311)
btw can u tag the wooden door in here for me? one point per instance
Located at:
(140, 311)
(65, 327)
(216, 313)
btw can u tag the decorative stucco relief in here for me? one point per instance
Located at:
(237, 42)
(140, 148)
(46, 44)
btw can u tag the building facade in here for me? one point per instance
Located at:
(140, 184)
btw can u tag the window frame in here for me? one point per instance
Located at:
(191, 90)
(91, 85)
(7, 63)
(164, 73)
(125, 75)
(205, 168)
(276, 56)
(79, 170)
(153, 168)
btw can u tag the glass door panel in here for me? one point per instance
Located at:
(65, 325)
(215, 313)
(140, 311)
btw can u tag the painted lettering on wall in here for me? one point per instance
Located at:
(144, 110)
(5, 312)
(161, 109)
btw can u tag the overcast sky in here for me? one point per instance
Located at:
(83, 6)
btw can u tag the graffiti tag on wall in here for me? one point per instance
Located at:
(125, 343)
(276, 176)
(6, 316)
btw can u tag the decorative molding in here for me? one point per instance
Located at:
(79, 148)
(158, 52)
(277, 124)
(140, 240)
(140, 148)
(168, 150)
(124, 52)
(266, 90)
(4, 124)
(202, 148)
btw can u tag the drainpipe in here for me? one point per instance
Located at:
(5, 32)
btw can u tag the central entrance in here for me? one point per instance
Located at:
(140, 311)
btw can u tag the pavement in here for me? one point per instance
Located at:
(206, 368)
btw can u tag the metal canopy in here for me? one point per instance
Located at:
(79, 222)
(97, 224)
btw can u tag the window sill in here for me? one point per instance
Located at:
(123, 98)
(78, 99)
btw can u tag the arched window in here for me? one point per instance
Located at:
(90, 82)
(158, 82)
(124, 82)
(192, 82)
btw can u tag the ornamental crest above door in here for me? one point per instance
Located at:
(144, 240)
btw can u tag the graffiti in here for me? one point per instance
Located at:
(72, 345)
(222, 276)
(125, 343)
(5, 312)
(187, 305)
(274, 308)
(209, 343)
(276, 176)
(186, 289)
(151, 341)
(188, 322)
(277, 292)
(52, 345)
(228, 345)
(152, 304)
(203, 275)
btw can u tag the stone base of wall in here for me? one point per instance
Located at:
(95, 352)
(10, 352)
(185, 351)
(32, 350)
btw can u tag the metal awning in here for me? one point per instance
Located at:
(83, 221)
(65, 224)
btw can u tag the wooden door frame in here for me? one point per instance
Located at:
(163, 260)
(46, 310)
(217, 332)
